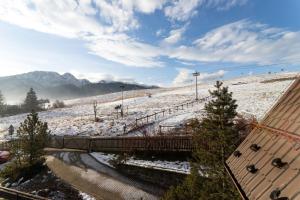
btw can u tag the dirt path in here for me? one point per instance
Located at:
(89, 176)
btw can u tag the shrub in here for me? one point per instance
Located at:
(15, 171)
(58, 104)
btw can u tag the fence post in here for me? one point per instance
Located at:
(147, 118)
(186, 132)
(63, 144)
(90, 146)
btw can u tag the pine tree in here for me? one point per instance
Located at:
(215, 138)
(217, 130)
(31, 101)
(33, 135)
(190, 188)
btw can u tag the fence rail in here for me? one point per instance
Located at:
(144, 120)
(12, 194)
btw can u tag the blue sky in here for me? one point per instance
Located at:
(157, 42)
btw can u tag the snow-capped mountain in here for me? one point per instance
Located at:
(45, 79)
(52, 85)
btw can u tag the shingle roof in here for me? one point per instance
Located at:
(267, 163)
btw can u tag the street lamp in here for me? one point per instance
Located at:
(122, 111)
(196, 74)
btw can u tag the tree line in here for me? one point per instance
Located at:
(30, 103)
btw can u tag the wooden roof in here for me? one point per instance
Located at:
(267, 163)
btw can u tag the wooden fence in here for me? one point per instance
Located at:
(12, 194)
(124, 144)
(139, 122)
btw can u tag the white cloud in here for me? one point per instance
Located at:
(183, 77)
(211, 76)
(175, 35)
(243, 42)
(159, 32)
(224, 4)
(106, 38)
(96, 77)
(143, 6)
(183, 10)
(240, 42)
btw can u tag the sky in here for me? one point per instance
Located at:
(155, 42)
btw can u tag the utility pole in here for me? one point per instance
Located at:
(122, 110)
(196, 74)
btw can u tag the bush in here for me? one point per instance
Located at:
(58, 104)
(189, 189)
(15, 171)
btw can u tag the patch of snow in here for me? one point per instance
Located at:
(85, 196)
(173, 166)
(104, 158)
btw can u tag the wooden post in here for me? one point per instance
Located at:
(147, 119)
(90, 145)
(63, 144)
(186, 129)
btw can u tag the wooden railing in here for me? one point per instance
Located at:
(124, 144)
(147, 119)
(12, 194)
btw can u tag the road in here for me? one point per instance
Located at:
(89, 176)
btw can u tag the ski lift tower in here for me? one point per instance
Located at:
(196, 74)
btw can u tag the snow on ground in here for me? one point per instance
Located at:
(85, 196)
(253, 97)
(173, 166)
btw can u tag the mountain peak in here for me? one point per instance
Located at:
(68, 75)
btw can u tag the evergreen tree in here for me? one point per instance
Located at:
(33, 135)
(2, 105)
(31, 101)
(218, 131)
(215, 138)
(190, 188)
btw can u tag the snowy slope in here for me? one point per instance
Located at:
(253, 97)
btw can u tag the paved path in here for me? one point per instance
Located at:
(100, 181)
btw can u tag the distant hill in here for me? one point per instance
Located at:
(52, 85)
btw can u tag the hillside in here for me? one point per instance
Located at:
(254, 97)
(52, 85)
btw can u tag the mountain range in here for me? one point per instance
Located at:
(52, 85)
